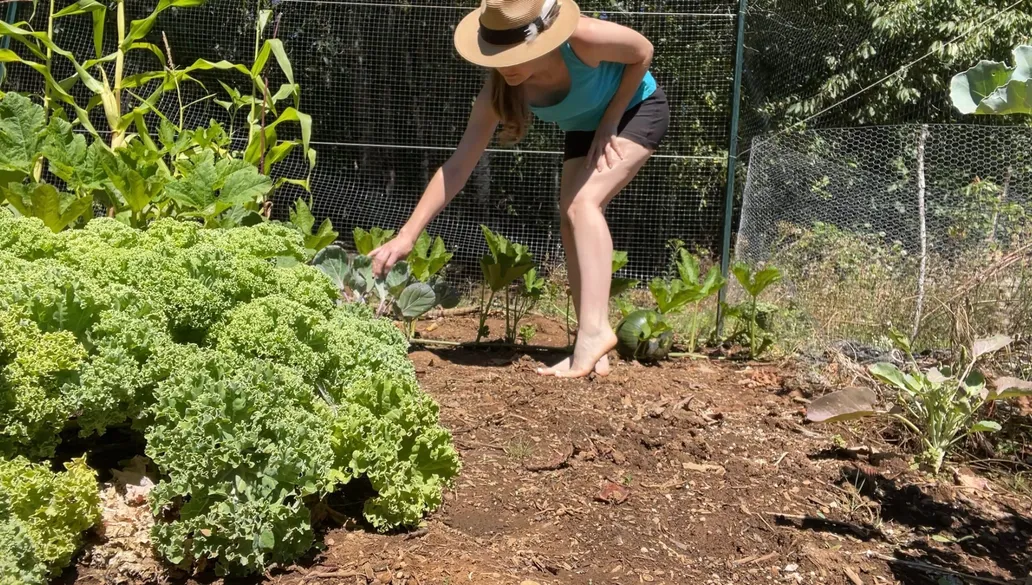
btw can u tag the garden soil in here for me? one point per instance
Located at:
(689, 472)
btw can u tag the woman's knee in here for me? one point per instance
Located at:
(576, 208)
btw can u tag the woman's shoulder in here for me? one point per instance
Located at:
(585, 39)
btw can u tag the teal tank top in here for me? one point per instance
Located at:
(591, 89)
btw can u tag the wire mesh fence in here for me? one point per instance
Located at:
(390, 98)
(924, 228)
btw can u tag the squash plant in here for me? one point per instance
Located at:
(646, 334)
(103, 76)
(939, 405)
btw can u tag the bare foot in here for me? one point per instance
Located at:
(588, 352)
(601, 367)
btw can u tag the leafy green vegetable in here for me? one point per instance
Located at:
(56, 210)
(991, 87)
(620, 285)
(301, 217)
(756, 316)
(49, 510)
(242, 442)
(22, 125)
(939, 405)
(233, 358)
(34, 366)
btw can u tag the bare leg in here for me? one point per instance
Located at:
(589, 251)
(571, 172)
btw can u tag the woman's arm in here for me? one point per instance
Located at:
(445, 184)
(596, 41)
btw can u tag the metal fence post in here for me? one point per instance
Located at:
(732, 161)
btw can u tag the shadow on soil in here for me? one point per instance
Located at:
(491, 357)
(1002, 540)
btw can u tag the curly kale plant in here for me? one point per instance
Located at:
(42, 517)
(257, 394)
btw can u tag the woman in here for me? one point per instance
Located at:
(592, 78)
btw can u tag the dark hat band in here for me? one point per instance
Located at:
(513, 36)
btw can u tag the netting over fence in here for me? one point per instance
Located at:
(848, 214)
(390, 98)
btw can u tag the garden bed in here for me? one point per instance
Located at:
(687, 472)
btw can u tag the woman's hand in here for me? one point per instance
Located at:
(605, 151)
(386, 256)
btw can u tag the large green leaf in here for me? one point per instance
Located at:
(620, 285)
(367, 241)
(991, 87)
(447, 295)
(506, 262)
(1010, 388)
(416, 299)
(670, 295)
(889, 374)
(240, 183)
(21, 134)
(619, 260)
(43, 201)
(195, 190)
(989, 345)
(333, 261)
(688, 267)
(428, 257)
(64, 149)
(846, 404)
(139, 28)
(97, 11)
(985, 426)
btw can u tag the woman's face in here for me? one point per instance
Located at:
(518, 74)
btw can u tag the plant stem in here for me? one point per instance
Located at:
(37, 171)
(117, 135)
(483, 312)
(752, 329)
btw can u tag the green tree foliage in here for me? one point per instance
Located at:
(806, 55)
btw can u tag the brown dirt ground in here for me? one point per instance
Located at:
(697, 472)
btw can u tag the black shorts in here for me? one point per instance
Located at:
(645, 124)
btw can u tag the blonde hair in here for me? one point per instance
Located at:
(510, 104)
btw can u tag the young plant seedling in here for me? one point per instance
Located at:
(505, 262)
(755, 315)
(301, 218)
(520, 300)
(939, 405)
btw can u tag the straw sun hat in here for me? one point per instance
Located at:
(503, 33)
